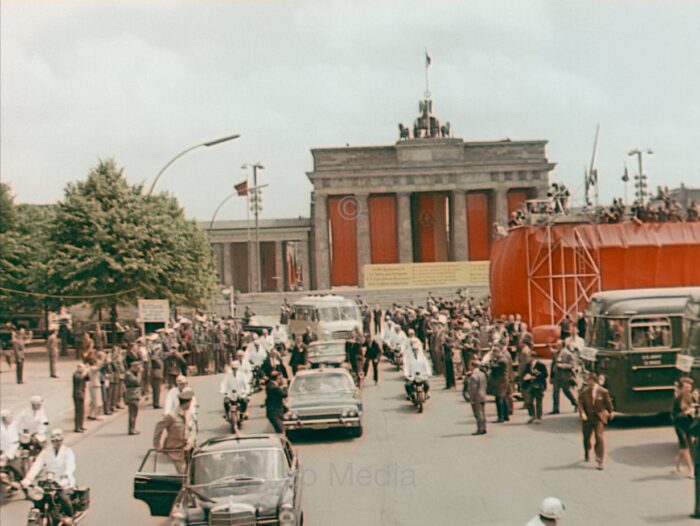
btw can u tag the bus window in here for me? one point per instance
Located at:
(650, 332)
(606, 333)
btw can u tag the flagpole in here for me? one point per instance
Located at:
(427, 74)
(247, 222)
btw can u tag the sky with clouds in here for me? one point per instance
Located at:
(141, 81)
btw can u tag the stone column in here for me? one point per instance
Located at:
(403, 206)
(217, 253)
(364, 248)
(279, 266)
(305, 269)
(501, 206)
(228, 266)
(322, 248)
(458, 225)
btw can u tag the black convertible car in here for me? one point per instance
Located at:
(244, 480)
(322, 399)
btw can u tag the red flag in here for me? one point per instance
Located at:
(242, 188)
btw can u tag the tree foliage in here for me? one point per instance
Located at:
(24, 251)
(109, 237)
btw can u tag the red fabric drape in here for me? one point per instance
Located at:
(515, 199)
(478, 218)
(628, 256)
(383, 229)
(342, 219)
(431, 227)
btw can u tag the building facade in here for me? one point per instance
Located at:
(430, 198)
(284, 254)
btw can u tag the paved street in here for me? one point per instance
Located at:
(413, 469)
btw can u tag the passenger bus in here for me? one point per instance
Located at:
(633, 338)
(689, 360)
(330, 317)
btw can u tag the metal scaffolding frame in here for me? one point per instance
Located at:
(579, 271)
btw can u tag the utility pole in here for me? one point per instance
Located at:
(641, 179)
(256, 206)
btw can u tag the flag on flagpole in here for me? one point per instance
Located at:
(427, 59)
(626, 175)
(242, 188)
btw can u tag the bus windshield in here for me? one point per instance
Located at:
(693, 338)
(606, 333)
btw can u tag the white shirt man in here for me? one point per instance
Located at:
(267, 341)
(235, 381)
(387, 332)
(33, 420)
(256, 353)
(419, 365)
(9, 438)
(172, 401)
(279, 335)
(56, 458)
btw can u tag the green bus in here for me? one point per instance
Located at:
(633, 339)
(689, 360)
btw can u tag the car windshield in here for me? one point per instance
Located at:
(329, 348)
(328, 314)
(265, 464)
(321, 383)
(349, 312)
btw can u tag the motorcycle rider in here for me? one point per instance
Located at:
(33, 420)
(236, 381)
(418, 367)
(9, 442)
(59, 460)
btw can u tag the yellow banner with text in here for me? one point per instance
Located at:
(408, 275)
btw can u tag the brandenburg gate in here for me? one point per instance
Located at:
(428, 198)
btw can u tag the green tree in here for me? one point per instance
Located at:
(110, 238)
(24, 251)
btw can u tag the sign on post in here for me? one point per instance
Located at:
(153, 314)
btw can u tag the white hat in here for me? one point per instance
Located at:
(235, 363)
(181, 379)
(57, 434)
(551, 508)
(5, 413)
(36, 399)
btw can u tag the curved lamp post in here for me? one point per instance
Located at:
(207, 144)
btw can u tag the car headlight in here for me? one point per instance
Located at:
(291, 415)
(287, 516)
(35, 493)
(349, 412)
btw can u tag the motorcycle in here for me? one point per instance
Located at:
(9, 484)
(234, 413)
(46, 507)
(29, 448)
(396, 356)
(419, 392)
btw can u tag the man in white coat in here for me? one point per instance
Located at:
(236, 381)
(59, 460)
(34, 420)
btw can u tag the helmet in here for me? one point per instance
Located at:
(36, 399)
(5, 413)
(551, 508)
(57, 434)
(181, 379)
(236, 364)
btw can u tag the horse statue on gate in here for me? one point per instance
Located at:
(404, 133)
(445, 130)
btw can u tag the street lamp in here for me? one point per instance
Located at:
(257, 207)
(641, 184)
(206, 144)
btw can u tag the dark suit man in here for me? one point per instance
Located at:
(563, 376)
(476, 386)
(595, 408)
(298, 355)
(273, 363)
(372, 356)
(377, 319)
(276, 392)
(80, 378)
(534, 384)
